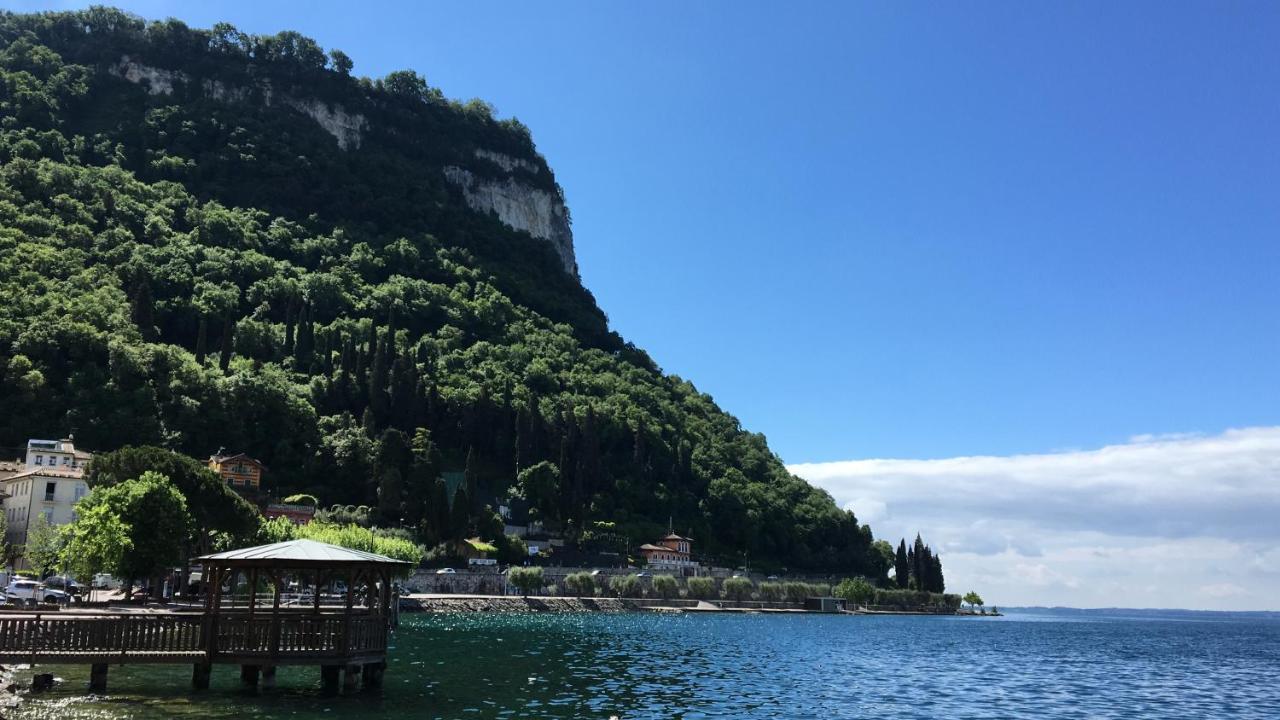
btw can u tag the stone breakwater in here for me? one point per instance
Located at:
(511, 604)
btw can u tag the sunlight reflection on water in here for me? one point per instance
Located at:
(755, 666)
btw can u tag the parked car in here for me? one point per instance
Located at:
(446, 571)
(31, 592)
(67, 585)
(105, 581)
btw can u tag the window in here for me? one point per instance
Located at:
(48, 515)
(39, 459)
(50, 489)
(66, 460)
(81, 490)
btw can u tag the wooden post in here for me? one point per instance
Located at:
(329, 676)
(350, 678)
(274, 639)
(269, 677)
(200, 673)
(346, 616)
(373, 675)
(98, 678)
(249, 674)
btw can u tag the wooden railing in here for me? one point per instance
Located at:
(187, 637)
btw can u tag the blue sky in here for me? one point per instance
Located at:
(891, 230)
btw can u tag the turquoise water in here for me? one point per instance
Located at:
(753, 666)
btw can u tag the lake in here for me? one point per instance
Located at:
(750, 666)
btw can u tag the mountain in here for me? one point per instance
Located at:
(215, 240)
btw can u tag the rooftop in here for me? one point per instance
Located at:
(298, 553)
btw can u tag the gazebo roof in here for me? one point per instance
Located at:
(298, 553)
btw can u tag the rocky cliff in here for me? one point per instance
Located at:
(526, 207)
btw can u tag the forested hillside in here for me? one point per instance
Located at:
(211, 240)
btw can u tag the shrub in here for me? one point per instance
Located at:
(772, 591)
(796, 591)
(580, 584)
(625, 586)
(525, 579)
(702, 588)
(856, 591)
(906, 599)
(665, 586)
(738, 588)
(819, 590)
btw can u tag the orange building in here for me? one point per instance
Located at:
(672, 552)
(241, 472)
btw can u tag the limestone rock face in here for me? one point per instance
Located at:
(346, 128)
(517, 204)
(157, 81)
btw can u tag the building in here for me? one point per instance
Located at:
(51, 493)
(60, 455)
(672, 552)
(239, 471)
(49, 484)
(297, 514)
(9, 468)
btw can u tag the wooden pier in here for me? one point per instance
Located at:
(258, 634)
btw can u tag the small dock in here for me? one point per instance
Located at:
(240, 623)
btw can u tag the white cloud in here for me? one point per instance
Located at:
(1183, 520)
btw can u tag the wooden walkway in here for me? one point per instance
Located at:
(286, 638)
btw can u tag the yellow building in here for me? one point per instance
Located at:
(241, 472)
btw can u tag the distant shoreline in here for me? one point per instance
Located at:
(449, 604)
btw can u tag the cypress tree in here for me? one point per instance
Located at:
(460, 515)
(142, 309)
(901, 570)
(917, 565)
(304, 347)
(378, 382)
(288, 329)
(939, 584)
(437, 512)
(228, 338)
(471, 475)
(327, 342)
(202, 339)
(404, 392)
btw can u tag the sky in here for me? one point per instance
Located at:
(921, 247)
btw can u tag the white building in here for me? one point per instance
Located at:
(56, 455)
(50, 484)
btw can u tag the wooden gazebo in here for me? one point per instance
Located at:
(291, 603)
(297, 622)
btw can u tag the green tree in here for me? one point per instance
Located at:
(96, 541)
(526, 579)
(702, 588)
(625, 586)
(215, 508)
(155, 514)
(857, 591)
(901, 568)
(539, 484)
(44, 545)
(772, 591)
(738, 588)
(665, 587)
(580, 584)
(973, 598)
(340, 61)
